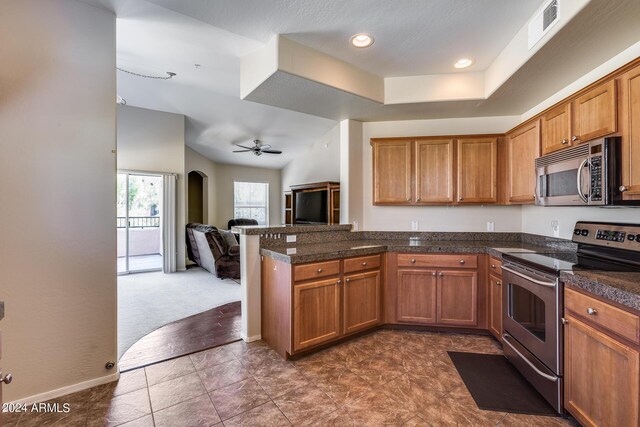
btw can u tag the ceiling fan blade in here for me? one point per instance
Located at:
(248, 148)
(272, 151)
(241, 151)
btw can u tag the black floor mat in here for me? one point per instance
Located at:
(496, 385)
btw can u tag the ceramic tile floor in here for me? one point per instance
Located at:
(384, 378)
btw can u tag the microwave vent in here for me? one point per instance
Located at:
(542, 22)
(581, 150)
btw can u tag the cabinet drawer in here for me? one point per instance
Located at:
(495, 266)
(613, 319)
(352, 265)
(316, 270)
(438, 261)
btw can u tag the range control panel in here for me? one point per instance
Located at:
(615, 235)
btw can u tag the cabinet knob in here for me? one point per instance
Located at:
(441, 274)
(623, 188)
(565, 141)
(460, 199)
(493, 266)
(364, 264)
(461, 262)
(413, 260)
(319, 270)
(592, 311)
(347, 280)
(434, 273)
(499, 283)
(7, 378)
(564, 321)
(575, 138)
(339, 281)
(418, 199)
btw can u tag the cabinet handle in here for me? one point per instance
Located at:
(592, 311)
(623, 188)
(575, 138)
(461, 262)
(347, 280)
(319, 270)
(364, 264)
(441, 274)
(7, 378)
(565, 141)
(413, 260)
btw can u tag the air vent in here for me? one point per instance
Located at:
(542, 22)
(580, 151)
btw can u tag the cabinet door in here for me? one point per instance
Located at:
(434, 171)
(392, 172)
(416, 299)
(595, 113)
(523, 146)
(361, 301)
(630, 127)
(458, 298)
(556, 129)
(601, 377)
(316, 313)
(495, 306)
(477, 170)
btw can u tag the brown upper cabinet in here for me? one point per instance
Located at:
(478, 170)
(630, 131)
(590, 115)
(424, 171)
(523, 146)
(392, 175)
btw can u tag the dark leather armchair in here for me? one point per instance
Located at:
(241, 221)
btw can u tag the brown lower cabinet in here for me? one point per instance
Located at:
(601, 367)
(361, 301)
(316, 313)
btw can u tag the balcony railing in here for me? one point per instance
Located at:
(138, 221)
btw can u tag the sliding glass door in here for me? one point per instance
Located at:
(139, 222)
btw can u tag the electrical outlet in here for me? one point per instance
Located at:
(291, 238)
(355, 226)
(491, 226)
(414, 225)
(555, 226)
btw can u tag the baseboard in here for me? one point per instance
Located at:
(250, 339)
(59, 392)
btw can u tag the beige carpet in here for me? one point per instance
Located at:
(147, 301)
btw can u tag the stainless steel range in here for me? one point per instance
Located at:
(533, 298)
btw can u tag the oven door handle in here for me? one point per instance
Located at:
(531, 365)
(524, 276)
(579, 181)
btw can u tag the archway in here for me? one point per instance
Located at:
(197, 197)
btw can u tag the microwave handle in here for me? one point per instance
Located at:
(579, 181)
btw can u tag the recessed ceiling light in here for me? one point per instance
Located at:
(362, 40)
(463, 63)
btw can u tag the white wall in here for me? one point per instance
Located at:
(194, 161)
(153, 141)
(227, 174)
(57, 195)
(321, 162)
(432, 218)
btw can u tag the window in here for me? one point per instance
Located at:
(251, 200)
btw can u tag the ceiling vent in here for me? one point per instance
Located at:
(543, 21)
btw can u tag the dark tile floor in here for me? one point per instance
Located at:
(384, 378)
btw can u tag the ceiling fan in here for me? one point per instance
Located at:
(258, 148)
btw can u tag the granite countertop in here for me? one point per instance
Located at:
(288, 229)
(622, 288)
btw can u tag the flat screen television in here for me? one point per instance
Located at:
(311, 207)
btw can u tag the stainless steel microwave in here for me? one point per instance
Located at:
(587, 175)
